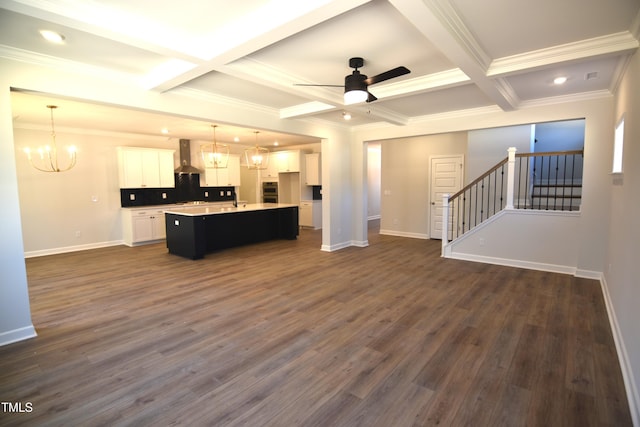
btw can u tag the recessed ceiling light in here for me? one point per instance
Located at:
(165, 131)
(276, 143)
(559, 80)
(52, 36)
(236, 139)
(346, 116)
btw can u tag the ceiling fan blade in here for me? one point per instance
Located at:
(305, 84)
(396, 72)
(371, 97)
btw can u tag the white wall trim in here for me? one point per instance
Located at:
(16, 335)
(356, 243)
(62, 250)
(404, 234)
(631, 387)
(336, 247)
(553, 268)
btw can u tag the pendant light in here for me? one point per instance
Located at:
(258, 157)
(215, 155)
(48, 155)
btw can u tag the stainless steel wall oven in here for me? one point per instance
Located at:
(269, 192)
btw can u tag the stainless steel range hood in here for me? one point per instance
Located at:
(185, 158)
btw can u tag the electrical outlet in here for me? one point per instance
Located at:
(481, 241)
(78, 234)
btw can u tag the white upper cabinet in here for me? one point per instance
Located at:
(145, 167)
(288, 161)
(313, 169)
(225, 177)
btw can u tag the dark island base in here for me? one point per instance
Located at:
(193, 236)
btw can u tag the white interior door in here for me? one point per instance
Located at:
(446, 178)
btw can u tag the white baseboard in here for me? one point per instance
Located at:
(404, 234)
(633, 397)
(553, 268)
(331, 248)
(588, 274)
(357, 243)
(16, 335)
(62, 250)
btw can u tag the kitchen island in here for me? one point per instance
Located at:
(194, 231)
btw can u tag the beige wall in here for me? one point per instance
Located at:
(405, 200)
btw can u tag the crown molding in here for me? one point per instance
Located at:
(305, 109)
(209, 97)
(606, 45)
(553, 100)
(444, 11)
(65, 65)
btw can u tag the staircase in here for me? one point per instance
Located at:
(534, 181)
(556, 196)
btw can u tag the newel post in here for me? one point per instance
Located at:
(511, 175)
(445, 221)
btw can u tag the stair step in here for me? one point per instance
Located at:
(558, 185)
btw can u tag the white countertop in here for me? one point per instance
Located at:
(181, 205)
(212, 210)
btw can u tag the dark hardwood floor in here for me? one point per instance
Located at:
(283, 334)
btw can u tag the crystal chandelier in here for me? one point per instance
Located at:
(257, 157)
(48, 155)
(215, 155)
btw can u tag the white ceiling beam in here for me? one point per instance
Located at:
(438, 21)
(381, 113)
(306, 109)
(104, 22)
(612, 44)
(421, 84)
(260, 40)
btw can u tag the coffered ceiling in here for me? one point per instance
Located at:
(463, 54)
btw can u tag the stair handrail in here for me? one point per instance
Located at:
(480, 178)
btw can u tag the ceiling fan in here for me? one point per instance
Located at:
(356, 85)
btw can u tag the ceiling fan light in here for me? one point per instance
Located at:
(355, 97)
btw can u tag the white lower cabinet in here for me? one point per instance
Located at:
(142, 225)
(311, 214)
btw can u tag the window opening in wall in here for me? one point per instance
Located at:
(618, 143)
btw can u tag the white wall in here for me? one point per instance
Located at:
(15, 314)
(623, 241)
(523, 238)
(80, 208)
(487, 147)
(373, 180)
